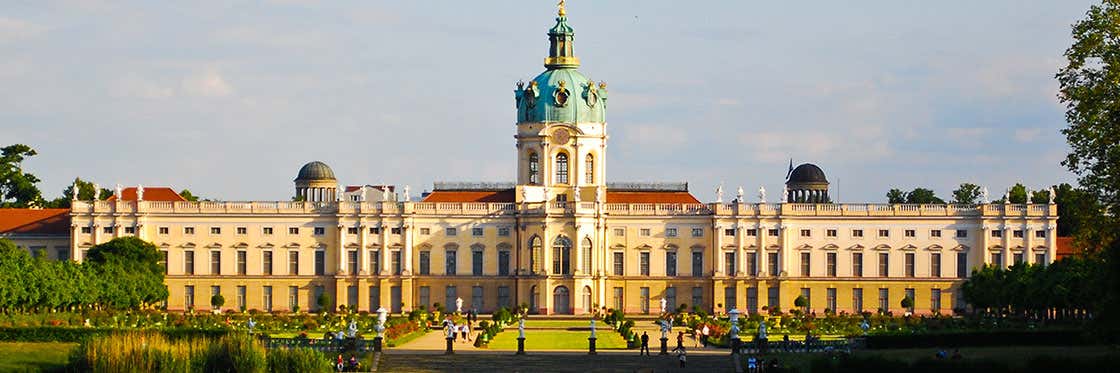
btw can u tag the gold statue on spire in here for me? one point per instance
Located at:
(561, 10)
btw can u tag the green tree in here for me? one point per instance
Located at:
(134, 265)
(923, 196)
(967, 194)
(17, 188)
(896, 196)
(217, 301)
(907, 302)
(324, 302)
(186, 194)
(801, 302)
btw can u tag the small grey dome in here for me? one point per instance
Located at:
(315, 171)
(807, 173)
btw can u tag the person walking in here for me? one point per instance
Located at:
(467, 332)
(645, 344)
(704, 335)
(681, 356)
(680, 339)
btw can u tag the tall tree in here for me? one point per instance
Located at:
(17, 188)
(924, 196)
(135, 264)
(896, 196)
(186, 194)
(967, 193)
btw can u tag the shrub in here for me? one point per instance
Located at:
(297, 360)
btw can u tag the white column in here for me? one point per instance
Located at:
(340, 247)
(406, 255)
(363, 251)
(386, 266)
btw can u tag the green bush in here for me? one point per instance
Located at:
(64, 334)
(297, 360)
(235, 353)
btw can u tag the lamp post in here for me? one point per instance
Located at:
(665, 327)
(735, 342)
(591, 340)
(521, 335)
(382, 315)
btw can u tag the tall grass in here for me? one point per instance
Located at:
(297, 360)
(153, 352)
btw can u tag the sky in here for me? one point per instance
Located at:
(230, 98)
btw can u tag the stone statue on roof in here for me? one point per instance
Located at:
(761, 194)
(984, 197)
(118, 193)
(785, 194)
(739, 195)
(139, 192)
(719, 193)
(1052, 194)
(407, 194)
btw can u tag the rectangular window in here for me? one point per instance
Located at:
(749, 232)
(857, 300)
(425, 297)
(215, 262)
(87, 230)
(935, 300)
(772, 232)
(671, 296)
(319, 231)
(352, 230)
(293, 262)
(773, 297)
(476, 298)
(318, 291)
(618, 263)
(1017, 258)
(503, 231)
(962, 265)
(241, 259)
(996, 233)
(643, 263)
(129, 230)
(619, 232)
(352, 262)
(242, 230)
(395, 261)
(830, 299)
(266, 262)
(450, 232)
(752, 299)
(697, 232)
(425, 262)
(616, 298)
(476, 263)
(772, 263)
(857, 233)
(857, 264)
(643, 293)
(910, 294)
(163, 230)
(729, 301)
(806, 266)
(377, 230)
(830, 233)
(961, 233)
(729, 263)
(1018, 233)
(1040, 259)
(293, 298)
(830, 262)
(936, 233)
(188, 296)
(909, 264)
(188, 262)
(752, 264)
(215, 290)
(293, 230)
(808, 295)
(884, 300)
(109, 230)
(698, 297)
(477, 232)
(884, 265)
(425, 231)
(267, 298)
(909, 233)
(806, 233)
(186, 230)
(935, 264)
(1040, 234)
(670, 263)
(449, 263)
(504, 297)
(395, 230)
(375, 297)
(320, 262)
(697, 263)
(450, 293)
(670, 232)
(884, 233)
(644, 232)
(375, 261)
(215, 230)
(997, 260)
(503, 263)
(241, 297)
(267, 231)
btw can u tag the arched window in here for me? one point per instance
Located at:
(562, 256)
(562, 168)
(534, 254)
(589, 169)
(534, 169)
(586, 249)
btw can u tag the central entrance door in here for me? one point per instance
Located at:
(560, 301)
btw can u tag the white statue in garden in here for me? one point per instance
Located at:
(459, 305)
(663, 304)
(521, 328)
(592, 328)
(762, 329)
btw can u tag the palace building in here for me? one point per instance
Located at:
(561, 238)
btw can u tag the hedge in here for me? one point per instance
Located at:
(980, 339)
(65, 334)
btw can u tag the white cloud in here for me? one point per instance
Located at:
(138, 87)
(207, 84)
(1027, 134)
(12, 29)
(656, 136)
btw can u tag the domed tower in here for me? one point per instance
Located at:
(561, 126)
(807, 184)
(316, 183)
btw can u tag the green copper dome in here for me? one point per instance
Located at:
(561, 93)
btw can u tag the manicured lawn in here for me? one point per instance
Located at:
(557, 340)
(24, 356)
(530, 323)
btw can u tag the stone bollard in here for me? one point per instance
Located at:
(591, 346)
(377, 344)
(520, 345)
(450, 346)
(664, 346)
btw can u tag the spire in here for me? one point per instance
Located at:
(560, 37)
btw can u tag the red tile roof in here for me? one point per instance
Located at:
(35, 221)
(1065, 248)
(150, 194)
(650, 197)
(470, 196)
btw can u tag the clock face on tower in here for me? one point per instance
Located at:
(560, 136)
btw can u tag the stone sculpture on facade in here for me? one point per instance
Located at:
(761, 194)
